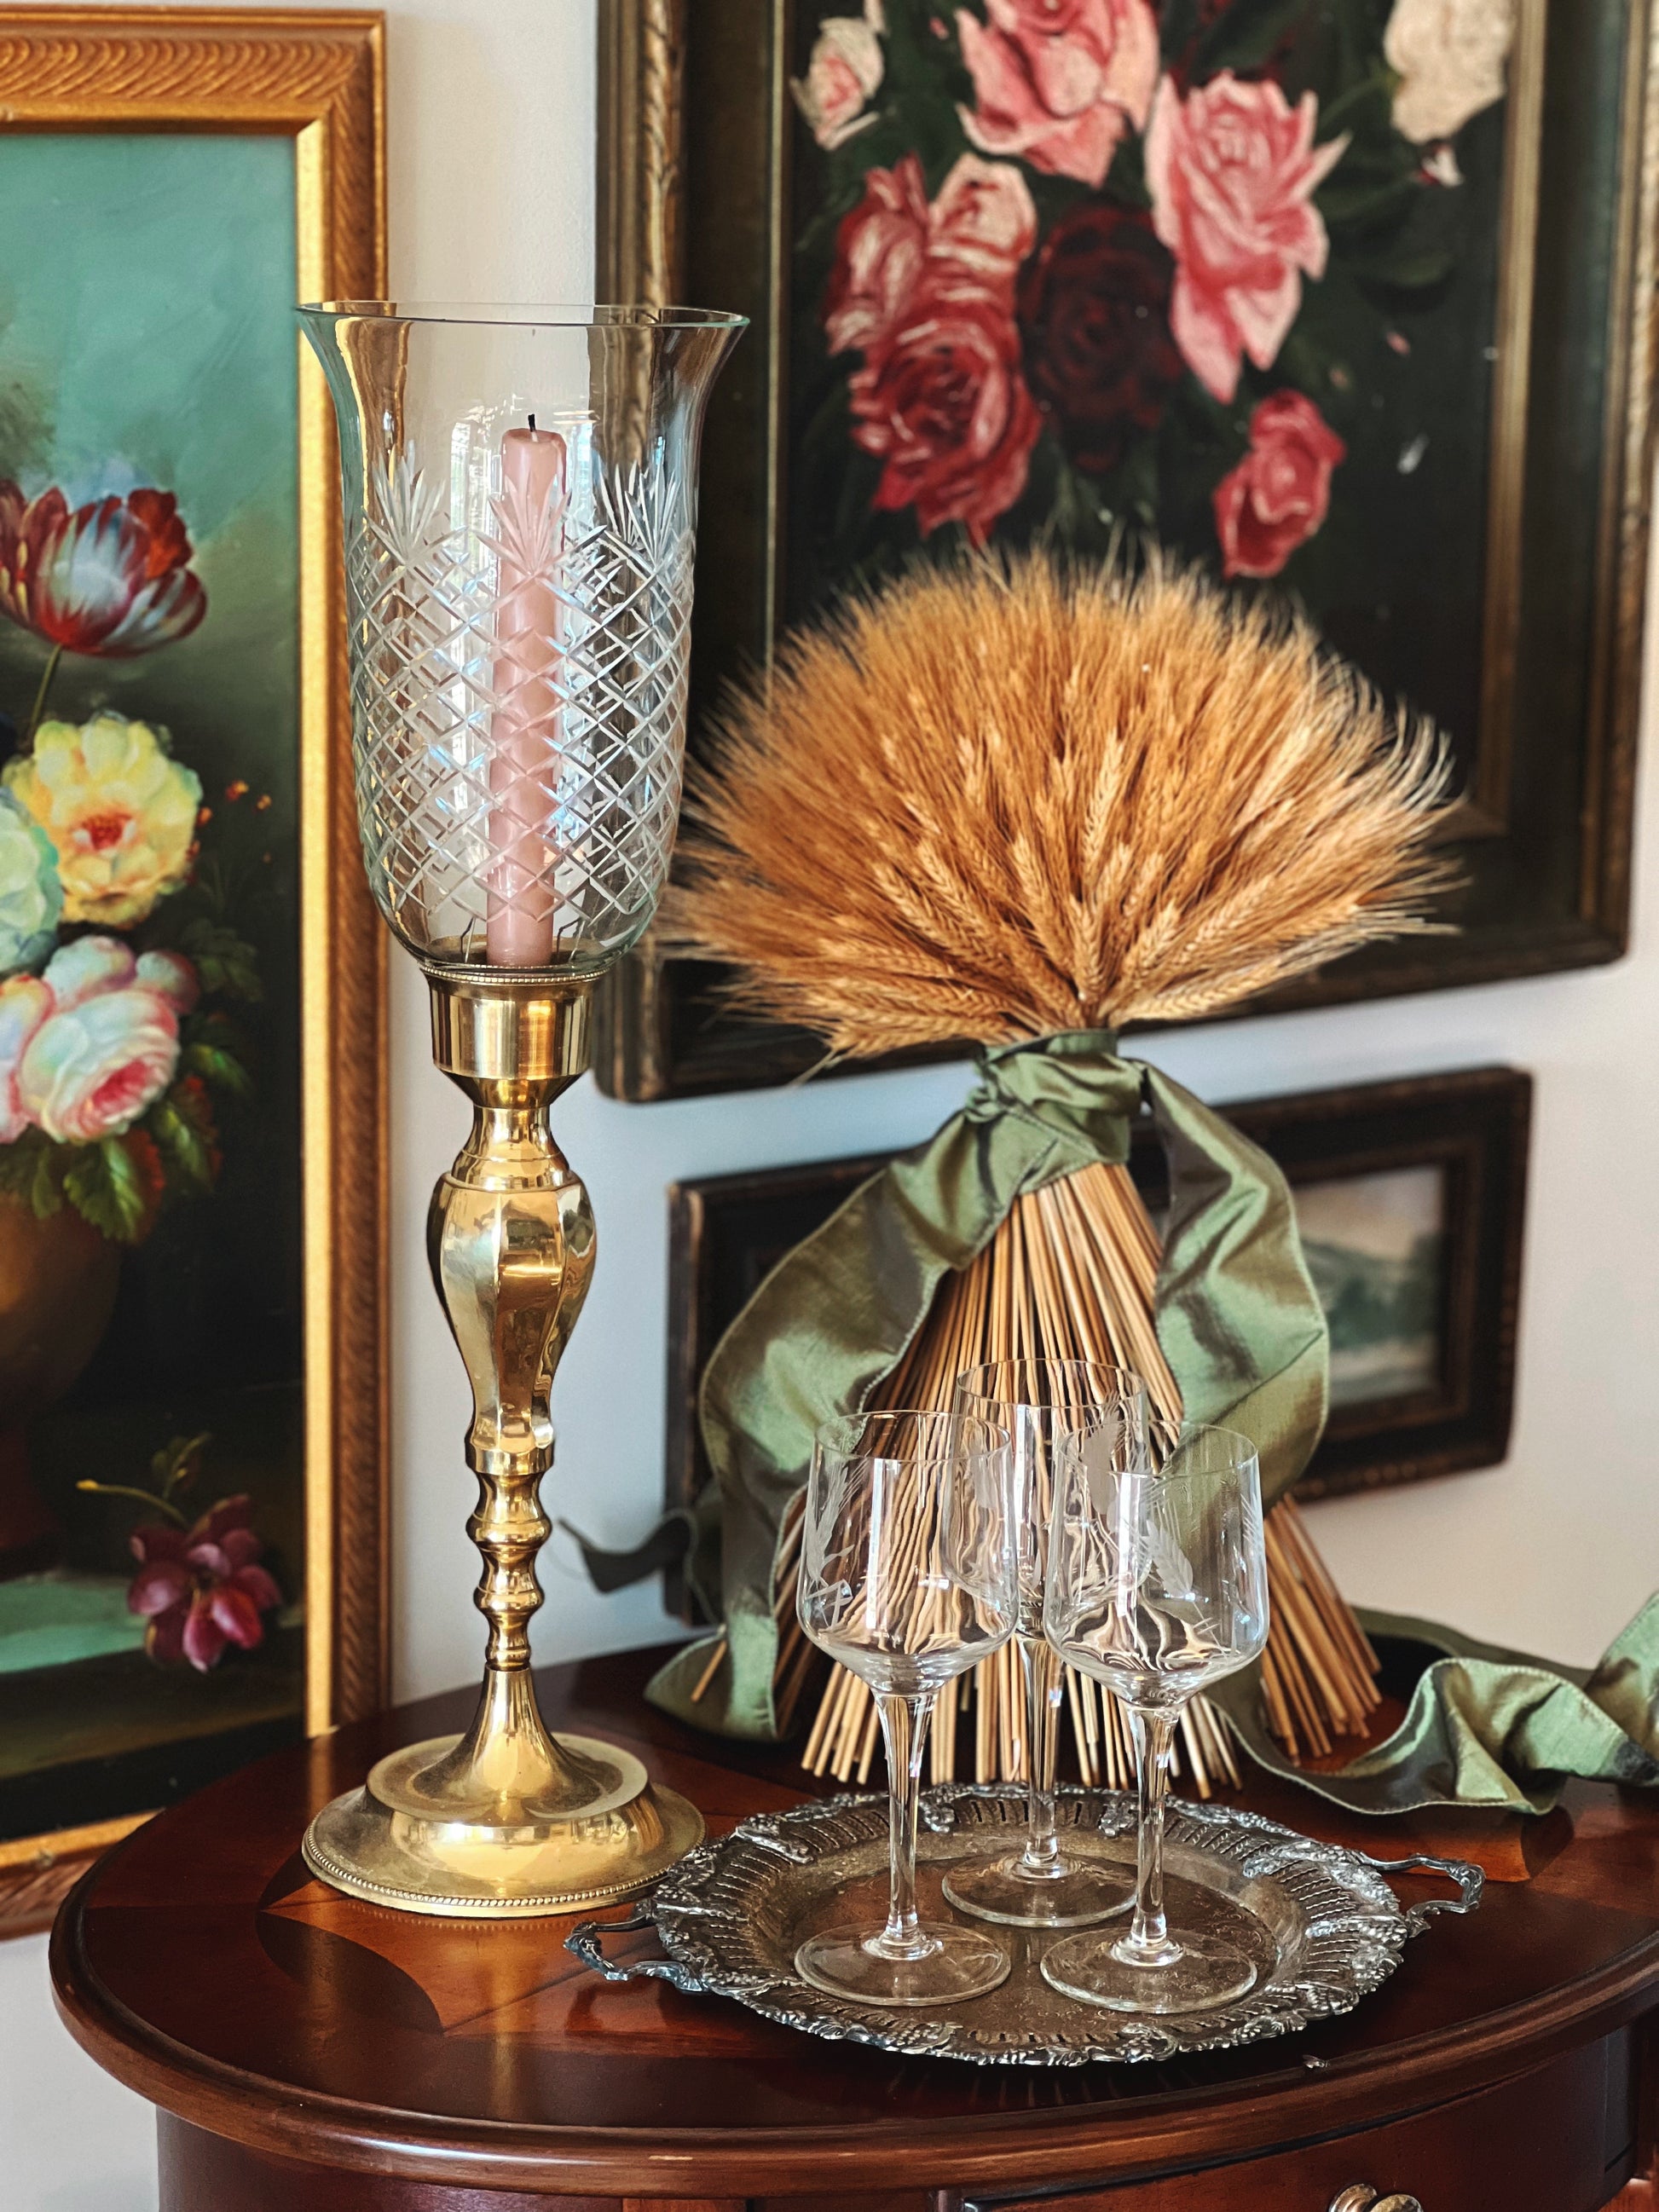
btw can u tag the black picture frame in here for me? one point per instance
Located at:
(727, 1232)
(697, 140)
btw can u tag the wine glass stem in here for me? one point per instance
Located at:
(1041, 1665)
(1148, 1941)
(905, 1731)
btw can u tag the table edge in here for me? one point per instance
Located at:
(1052, 2147)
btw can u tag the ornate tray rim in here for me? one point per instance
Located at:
(1356, 1928)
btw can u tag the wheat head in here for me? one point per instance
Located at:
(1012, 797)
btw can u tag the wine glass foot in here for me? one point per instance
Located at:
(960, 1962)
(1082, 1894)
(1207, 1972)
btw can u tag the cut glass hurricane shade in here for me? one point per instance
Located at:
(520, 515)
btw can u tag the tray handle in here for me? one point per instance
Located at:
(586, 1941)
(1469, 1881)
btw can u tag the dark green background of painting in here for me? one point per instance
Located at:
(147, 338)
(1396, 576)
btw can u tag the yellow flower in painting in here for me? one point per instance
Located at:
(119, 809)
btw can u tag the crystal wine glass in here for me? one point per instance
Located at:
(908, 1578)
(1045, 1405)
(1158, 1587)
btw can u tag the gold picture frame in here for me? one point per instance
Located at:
(318, 78)
(695, 195)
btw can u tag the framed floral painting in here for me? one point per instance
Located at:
(1327, 296)
(192, 1429)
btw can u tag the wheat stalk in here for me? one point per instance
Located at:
(1012, 798)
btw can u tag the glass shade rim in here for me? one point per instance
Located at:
(528, 315)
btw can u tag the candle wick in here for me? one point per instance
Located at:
(533, 421)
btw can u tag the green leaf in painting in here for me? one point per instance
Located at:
(30, 1171)
(1245, 35)
(225, 962)
(217, 1066)
(1405, 271)
(105, 1186)
(1350, 198)
(46, 1183)
(1179, 28)
(184, 1131)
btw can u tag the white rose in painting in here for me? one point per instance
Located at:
(1448, 55)
(31, 896)
(843, 74)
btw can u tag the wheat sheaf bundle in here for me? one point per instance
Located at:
(1007, 799)
(1010, 799)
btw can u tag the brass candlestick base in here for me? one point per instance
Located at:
(507, 1820)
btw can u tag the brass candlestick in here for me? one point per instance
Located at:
(507, 1818)
(520, 503)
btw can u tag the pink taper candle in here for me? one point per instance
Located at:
(524, 728)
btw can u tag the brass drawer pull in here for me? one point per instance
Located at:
(1360, 2196)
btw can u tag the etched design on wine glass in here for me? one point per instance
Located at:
(908, 1578)
(1157, 1587)
(1045, 1405)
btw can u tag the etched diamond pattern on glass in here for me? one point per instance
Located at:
(432, 565)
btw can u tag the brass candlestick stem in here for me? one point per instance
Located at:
(508, 1819)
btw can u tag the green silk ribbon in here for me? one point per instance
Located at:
(1485, 1726)
(1245, 1337)
(1238, 1316)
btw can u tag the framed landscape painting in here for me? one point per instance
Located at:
(1410, 1201)
(1348, 301)
(192, 1429)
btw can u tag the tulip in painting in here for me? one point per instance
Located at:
(112, 578)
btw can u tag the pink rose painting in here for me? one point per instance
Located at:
(1232, 169)
(104, 1044)
(1091, 272)
(1059, 82)
(1278, 495)
(842, 76)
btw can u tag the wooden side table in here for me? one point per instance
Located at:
(311, 2054)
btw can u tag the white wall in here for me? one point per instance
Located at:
(492, 106)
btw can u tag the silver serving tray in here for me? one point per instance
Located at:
(1326, 1928)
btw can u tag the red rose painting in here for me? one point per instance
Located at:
(1094, 304)
(925, 291)
(1279, 493)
